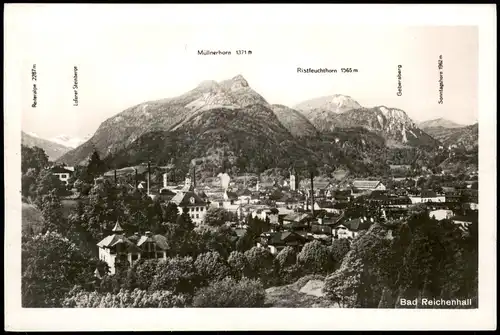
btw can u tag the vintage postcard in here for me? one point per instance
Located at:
(230, 167)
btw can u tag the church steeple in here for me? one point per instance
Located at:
(118, 228)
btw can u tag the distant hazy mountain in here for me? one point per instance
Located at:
(52, 149)
(323, 106)
(439, 123)
(68, 141)
(465, 136)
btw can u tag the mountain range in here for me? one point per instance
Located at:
(68, 141)
(440, 122)
(227, 124)
(465, 136)
(52, 149)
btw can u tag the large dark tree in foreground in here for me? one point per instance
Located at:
(51, 266)
(33, 158)
(424, 259)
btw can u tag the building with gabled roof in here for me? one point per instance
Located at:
(277, 241)
(427, 196)
(297, 221)
(118, 248)
(195, 206)
(368, 185)
(62, 172)
(352, 228)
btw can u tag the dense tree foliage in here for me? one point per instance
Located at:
(51, 266)
(229, 293)
(108, 203)
(261, 264)
(239, 265)
(424, 259)
(216, 217)
(47, 182)
(286, 257)
(338, 250)
(211, 266)
(33, 158)
(176, 274)
(52, 213)
(95, 168)
(137, 298)
(141, 274)
(315, 258)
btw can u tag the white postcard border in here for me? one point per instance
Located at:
(18, 319)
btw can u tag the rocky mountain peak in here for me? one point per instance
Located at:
(235, 84)
(241, 80)
(344, 103)
(397, 115)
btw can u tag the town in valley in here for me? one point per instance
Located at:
(234, 202)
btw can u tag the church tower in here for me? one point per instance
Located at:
(293, 180)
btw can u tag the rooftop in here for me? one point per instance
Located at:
(187, 198)
(365, 183)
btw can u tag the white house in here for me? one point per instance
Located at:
(277, 241)
(261, 213)
(352, 228)
(244, 197)
(117, 247)
(368, 185)
(62, 172)
(474, 206)
(194, 204)
(441, 214)
(427, 196)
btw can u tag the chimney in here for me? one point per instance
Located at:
(312, 193)
(136, 178)
(149, 175)
(194, 176)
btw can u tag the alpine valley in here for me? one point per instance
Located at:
(228, 126)
(53, 149)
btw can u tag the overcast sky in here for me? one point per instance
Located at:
(124, 59)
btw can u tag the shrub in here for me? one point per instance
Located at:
(211, 266)
(175, 274)
(314, 258)
(239, 265)
(231, 293)
(286, 257)
(124, 299)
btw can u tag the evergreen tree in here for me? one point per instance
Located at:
(52, 213)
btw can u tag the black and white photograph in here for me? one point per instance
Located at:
(229, 164)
